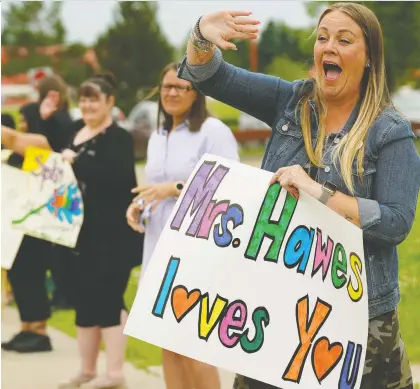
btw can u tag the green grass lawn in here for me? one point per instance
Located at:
(222, 111)
(409, 254)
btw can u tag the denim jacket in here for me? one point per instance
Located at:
(387, 194)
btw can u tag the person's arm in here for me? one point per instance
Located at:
(19, 142)
(387, 218)
(259, 95)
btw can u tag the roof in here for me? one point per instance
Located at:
(15, 79)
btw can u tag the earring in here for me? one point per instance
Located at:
(368, 65)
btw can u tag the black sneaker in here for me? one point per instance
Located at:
(9, 346)
(33, 343)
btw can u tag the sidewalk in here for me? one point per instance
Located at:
(46, 370)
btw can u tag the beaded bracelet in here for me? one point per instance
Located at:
(197, 40)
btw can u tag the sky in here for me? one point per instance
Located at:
(86, 20)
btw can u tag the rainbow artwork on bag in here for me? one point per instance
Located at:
(53, 204)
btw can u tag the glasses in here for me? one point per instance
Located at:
(178, 88)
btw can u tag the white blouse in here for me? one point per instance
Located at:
(172, 157)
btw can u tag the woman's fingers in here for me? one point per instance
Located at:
(135, 227)
(243, 27)
(244, 36)
(139, 189)
(237, 13)
(274, 179)
(293, 191)
(154, 205)
(246, 21)
(247, 29)
(132, 213)
(225, 45)
(137, 198)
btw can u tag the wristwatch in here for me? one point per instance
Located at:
(178, 187)
(328, 190)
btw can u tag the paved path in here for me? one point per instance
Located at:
(46, 370)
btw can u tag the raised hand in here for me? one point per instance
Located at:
(49, 105)
(155, 193)
(222, 26)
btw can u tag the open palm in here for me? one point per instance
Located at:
(222, 26)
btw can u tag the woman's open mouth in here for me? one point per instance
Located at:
(331, 70)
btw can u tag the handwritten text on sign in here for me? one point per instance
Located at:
(263, 284)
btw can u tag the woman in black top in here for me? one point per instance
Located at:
(35, 256)
(102, 155)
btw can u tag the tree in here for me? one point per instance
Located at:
(71, 64)
(287, 69)
(280, 39)
(32, 23)
(400, 22)
(135, 50)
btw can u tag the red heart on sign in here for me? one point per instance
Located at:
(184, 301)
(325, 357)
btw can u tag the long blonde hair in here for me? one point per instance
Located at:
(374, 97)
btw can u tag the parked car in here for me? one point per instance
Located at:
(141, 122)
(407, 101)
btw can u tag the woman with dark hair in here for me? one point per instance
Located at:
(35, 256)
(187, 132)
(102, 156)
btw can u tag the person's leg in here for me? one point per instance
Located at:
(242, 382)
(174, 371)
(115, 344)
(62, 298)
(88, 333)
(203, 376)
(398, 366)
(3, 288)
(88, 341)
(386, 363)
(27, 278)
(112, 317)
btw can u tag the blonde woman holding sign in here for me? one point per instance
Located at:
(337, 137)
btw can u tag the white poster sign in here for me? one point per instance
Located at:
(13, 184)
(247, 278)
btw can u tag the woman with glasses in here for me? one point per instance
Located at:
(187, 132)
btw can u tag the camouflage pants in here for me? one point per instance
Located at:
(386, 364)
